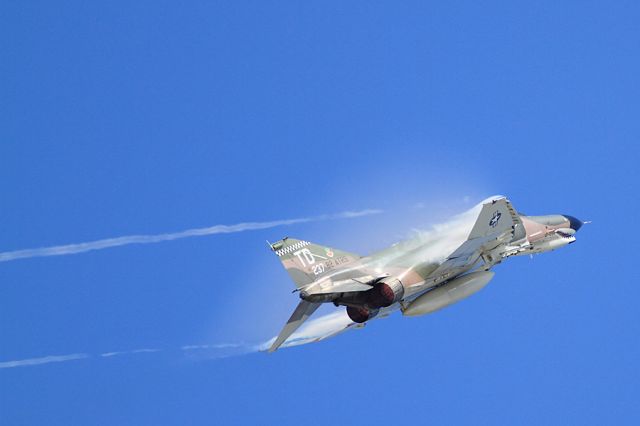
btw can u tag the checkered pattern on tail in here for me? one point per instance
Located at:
(292, 248)
(307, 262)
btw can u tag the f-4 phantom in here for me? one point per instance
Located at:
(406, 276)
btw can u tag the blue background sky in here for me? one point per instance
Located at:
(120, 118)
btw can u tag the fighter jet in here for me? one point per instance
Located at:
(406, 276)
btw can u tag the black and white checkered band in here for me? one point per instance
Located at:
(292, 248)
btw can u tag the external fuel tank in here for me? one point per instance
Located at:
(450, 293)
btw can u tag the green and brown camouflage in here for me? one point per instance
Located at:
(401, 275)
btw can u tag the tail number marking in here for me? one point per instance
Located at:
(305, 255)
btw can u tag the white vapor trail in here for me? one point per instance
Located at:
(196, 232)
(43, 360)
(201, 351)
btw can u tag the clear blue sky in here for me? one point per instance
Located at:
(121, 118)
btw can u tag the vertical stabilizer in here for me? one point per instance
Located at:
(306, 262)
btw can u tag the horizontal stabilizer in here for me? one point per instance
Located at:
(300, 315)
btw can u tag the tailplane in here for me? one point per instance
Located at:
(299, 316)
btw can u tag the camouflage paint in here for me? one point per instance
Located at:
(323, 274)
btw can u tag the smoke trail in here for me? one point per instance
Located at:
(196, 352)
(43, 360)
(148, 239)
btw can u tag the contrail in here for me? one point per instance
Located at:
(196, 232)
(200, 351)
(43, 360)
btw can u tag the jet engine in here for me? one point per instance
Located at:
(385, 293)
(361, 314)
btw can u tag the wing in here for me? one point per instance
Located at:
(494, 227)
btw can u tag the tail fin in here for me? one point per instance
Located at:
(306, 262)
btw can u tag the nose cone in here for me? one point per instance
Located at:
(574, 223)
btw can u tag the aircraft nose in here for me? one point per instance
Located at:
(574, 223)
